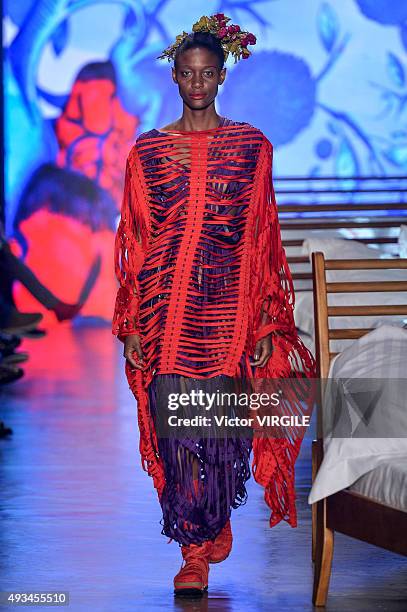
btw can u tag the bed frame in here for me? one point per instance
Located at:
(348, 512)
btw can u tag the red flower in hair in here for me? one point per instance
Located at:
(249, 39)
(234, 40)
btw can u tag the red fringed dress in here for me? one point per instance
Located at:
(199, 260)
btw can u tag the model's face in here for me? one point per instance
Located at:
(198, 76)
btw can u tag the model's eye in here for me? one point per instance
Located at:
(209, 73)
(185, 73)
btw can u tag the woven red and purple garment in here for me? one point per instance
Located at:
(203, 277)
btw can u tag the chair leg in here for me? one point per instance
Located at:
(314, 528)
(316, 461)
(324, 547)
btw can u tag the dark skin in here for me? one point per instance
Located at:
(198, 76)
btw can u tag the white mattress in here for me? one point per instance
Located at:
(376, 362)
(386, 484)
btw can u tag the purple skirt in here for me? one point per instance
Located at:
(205, 474)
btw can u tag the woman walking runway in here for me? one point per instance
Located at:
(205, 300)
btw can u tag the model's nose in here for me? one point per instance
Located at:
(197, 82)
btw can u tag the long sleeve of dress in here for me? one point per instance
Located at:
(272, 312)
(130, 246)
(272, 307)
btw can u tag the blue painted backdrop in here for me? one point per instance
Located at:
(327, 83)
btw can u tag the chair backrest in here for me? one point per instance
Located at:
(323, 312)
(371, 222)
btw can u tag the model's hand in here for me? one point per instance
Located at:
(131, 345)
(262, 351)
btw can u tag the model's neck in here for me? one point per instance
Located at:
(196, 120)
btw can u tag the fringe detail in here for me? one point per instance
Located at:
(204, 476)
(150, 459)
(131, 241)
(272, 288)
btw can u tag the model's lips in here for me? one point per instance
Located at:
(197, 96)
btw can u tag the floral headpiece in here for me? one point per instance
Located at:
(232, 38)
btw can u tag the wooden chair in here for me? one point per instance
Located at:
(348, 512)
(353, 217)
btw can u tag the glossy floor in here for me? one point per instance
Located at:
(78, 514)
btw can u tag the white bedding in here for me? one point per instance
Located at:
(386, 484)
(377, 361)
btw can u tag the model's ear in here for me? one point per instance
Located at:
(222, 76)
(174, 75)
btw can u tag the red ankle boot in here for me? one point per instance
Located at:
(192, 579)
(222, 545)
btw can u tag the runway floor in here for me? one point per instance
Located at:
(78, 514)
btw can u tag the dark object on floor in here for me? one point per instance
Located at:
(17, 322)
(5, 431)
(13, 358)
(9, 373)
(6, 348)
(33, 333)
(9, 341)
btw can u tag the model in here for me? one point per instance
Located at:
(205, 299)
